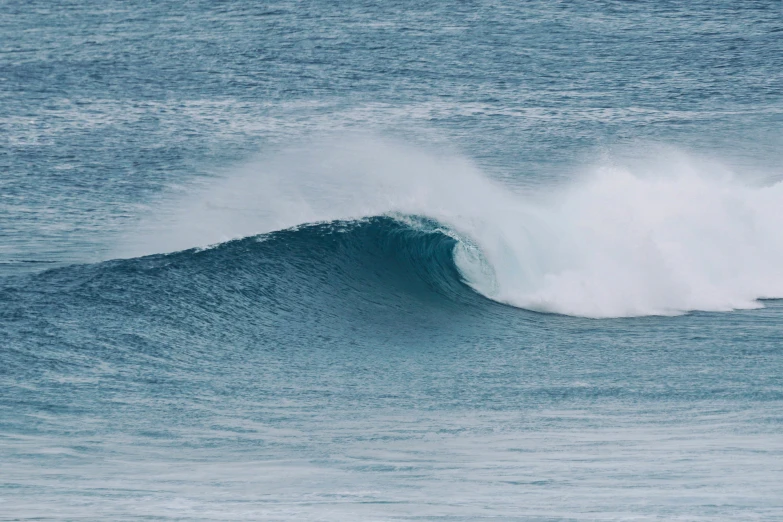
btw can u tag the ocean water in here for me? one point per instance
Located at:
(369, 260)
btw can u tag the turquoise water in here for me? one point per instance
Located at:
(391, 261)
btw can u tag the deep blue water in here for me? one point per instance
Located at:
(391, 260)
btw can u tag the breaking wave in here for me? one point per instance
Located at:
(663, 234)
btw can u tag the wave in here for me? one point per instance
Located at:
(662, 234)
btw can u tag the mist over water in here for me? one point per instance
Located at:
(391, 261)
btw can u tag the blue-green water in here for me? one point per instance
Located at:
(391, 261)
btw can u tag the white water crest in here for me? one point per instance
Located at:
(660, 235)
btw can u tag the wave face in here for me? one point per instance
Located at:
(663, 234)
(377, 275)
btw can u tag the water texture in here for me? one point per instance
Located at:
(391, 261)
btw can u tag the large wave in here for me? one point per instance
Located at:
(663, 234)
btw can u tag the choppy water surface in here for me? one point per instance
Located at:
(391, 261)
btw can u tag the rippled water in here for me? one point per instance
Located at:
(391, 261)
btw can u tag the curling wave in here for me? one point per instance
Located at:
(661, 235)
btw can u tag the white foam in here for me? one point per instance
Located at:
(654, 236)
